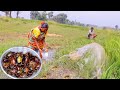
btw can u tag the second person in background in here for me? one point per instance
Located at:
(91, 33)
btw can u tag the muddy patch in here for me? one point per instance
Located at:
(1, 40)
(59, 73)
(54, 46)
(22, 35)
(54, 35)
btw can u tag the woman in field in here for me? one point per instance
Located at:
(37, 38)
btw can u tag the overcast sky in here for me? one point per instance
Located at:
(100, 18)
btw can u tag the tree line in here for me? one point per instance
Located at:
(9, 13)
(60, 18)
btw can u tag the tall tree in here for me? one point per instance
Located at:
(61, 18)
(50, 15)
(34, 15)
(6, 13)
(38, 16)
(17, 14)
(10, 14)
(43, 16)
(116, 27)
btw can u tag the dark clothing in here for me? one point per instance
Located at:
(89, 35)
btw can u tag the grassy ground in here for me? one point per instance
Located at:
(13, 32)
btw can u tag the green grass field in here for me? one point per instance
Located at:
(13, 32)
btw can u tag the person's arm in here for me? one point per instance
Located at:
(38, 48)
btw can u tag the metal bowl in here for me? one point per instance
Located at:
(23, 50)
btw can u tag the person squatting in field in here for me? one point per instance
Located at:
(91, 33)
(37, 38)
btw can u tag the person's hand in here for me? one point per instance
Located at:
(46, 50)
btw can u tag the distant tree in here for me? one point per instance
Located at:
(50, 15)
(34, 15)
(10, 14)
(43, 16)
(38, 16)
(75, 22)
(116, 27)
(6, 13)
(78, 23)
(82, 24)
(17, 14)
(88, 25)
(67, 21)
(104, 27)
(61, 18)
(22, 17)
